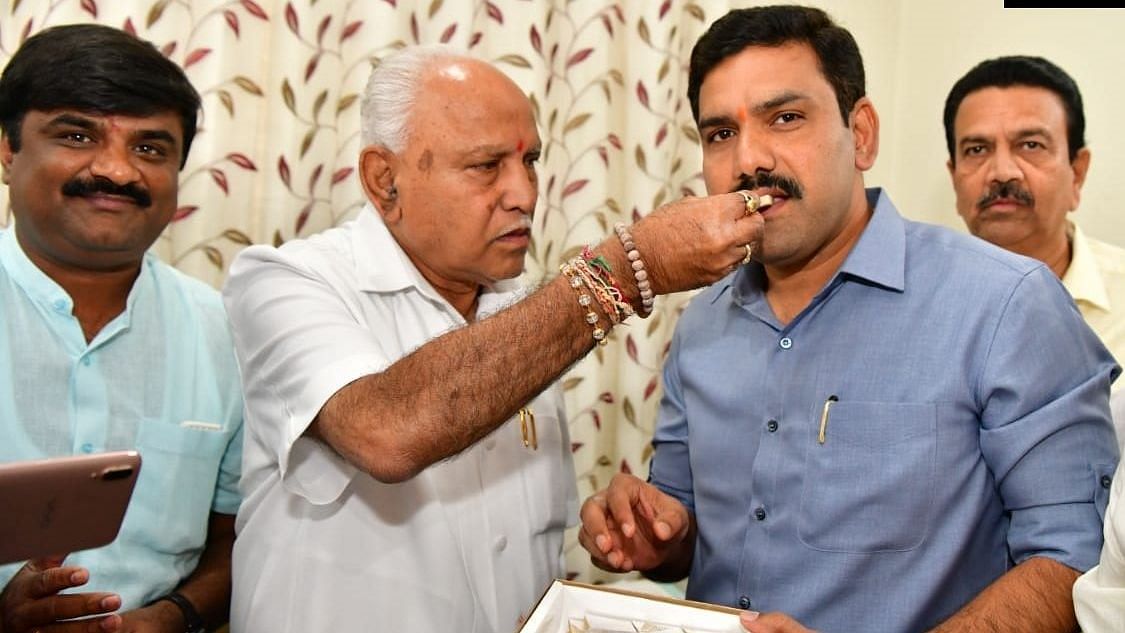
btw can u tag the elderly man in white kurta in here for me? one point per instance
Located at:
(406, 463)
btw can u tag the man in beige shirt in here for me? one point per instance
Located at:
(1015, 131)
(1017, 155)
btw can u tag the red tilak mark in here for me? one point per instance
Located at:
(741, 113)
(519, 146)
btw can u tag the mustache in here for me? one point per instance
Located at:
(79, 187)
(523, 224)
(1007, 189)
(770, 180)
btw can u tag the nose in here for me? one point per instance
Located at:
(1002, 167)
(521, 189)
(114, 161)
(754, 155)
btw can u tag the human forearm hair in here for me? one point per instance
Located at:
(1032, 596)
(457, 388)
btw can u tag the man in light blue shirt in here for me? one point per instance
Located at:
(108, 348)
(877, 425)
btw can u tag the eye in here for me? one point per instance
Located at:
(151, 150)
(720, 135)
(1033, 145)
(486, 166)
(76, 138)
(531, 159)
(973, 150)
(787, 117)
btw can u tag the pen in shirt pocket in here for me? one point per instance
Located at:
(820, 437)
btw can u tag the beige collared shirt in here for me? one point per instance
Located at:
(1096, 280)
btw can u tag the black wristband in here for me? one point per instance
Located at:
(192, 622)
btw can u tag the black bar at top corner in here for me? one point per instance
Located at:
(1043, 4)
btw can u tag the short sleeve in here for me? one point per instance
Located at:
(300, 338)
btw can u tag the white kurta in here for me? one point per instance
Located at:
(467, 545)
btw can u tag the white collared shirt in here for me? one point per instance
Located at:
(467, 545)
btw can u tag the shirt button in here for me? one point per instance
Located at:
(500, 544)
(490, 444)
(771, 426)
(60, 306)
(785, 342)
(86, 361)
(760, 513)
(87, 448)
(744, 602)
(1107, 481)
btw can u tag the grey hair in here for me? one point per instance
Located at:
(392, 90)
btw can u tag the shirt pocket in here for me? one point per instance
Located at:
(544, 478)
(176, 485)
(870, 486)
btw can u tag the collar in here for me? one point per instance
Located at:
(1083, 278)
(878, 257)
(44, 290)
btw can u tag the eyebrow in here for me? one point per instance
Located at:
(974, 139)
(785, 98)
(84, 123)
(501, 150)
(73, 120)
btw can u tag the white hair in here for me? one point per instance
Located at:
(392, 90)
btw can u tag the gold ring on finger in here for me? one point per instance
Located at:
(752, 201)
(749, 254)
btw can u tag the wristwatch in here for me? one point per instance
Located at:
(193, 623)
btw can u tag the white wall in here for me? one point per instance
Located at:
(915, 50)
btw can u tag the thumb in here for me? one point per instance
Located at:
(670, 521)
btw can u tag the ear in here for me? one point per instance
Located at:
(377, 169)
(6, 156)
(865, 130)
(1080, 165)
(949, 165)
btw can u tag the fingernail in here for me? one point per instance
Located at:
(627, 529)
(78, 577)
(602, 541)
(111, 602)
(749, 616)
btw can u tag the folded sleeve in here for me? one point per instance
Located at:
(1045, 425)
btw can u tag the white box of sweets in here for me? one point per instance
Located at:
(573, 607)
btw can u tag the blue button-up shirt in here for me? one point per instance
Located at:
(160, 378)
(965, 417)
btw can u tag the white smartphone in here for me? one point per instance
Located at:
(64, 504)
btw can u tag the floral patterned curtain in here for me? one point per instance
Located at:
(275, 157)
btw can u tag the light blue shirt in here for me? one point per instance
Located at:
(969, 430)
(160, 378)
